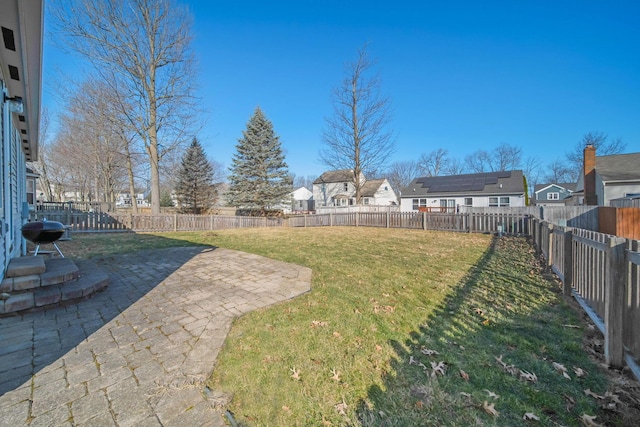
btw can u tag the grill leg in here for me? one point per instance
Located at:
(37, 249)
(58, 249)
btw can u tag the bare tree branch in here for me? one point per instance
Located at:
(357, 136)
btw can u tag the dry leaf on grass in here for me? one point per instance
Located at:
(491, 394)
(528, 376)
(295, 374)
(341, 408)
(438, 369)
(489, 409)
(428, 352)
(579, 371)
(529, 416)
(588, 392)
(336, 334)
(335, 375)
(317, 323)
(561, 368)
(286, 408)
(589, 421)
(464, 375)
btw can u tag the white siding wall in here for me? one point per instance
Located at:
(406, 204)
(385, 195)
(331, 189)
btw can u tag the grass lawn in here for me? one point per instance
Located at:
(401, 328)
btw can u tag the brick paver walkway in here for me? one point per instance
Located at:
(138, 353)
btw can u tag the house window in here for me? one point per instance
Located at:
(346, 186)
(553, 196)
(366, 200)
(418, 203)
(499, 201)
(468, 201)
(31, 192)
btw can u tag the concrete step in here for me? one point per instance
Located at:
(25, 266)
(89, 280)
(52, 271)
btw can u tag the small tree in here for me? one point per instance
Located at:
(194, 187)
(258, 178)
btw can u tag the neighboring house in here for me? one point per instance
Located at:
(20, 83)
(553, 194)
(123, 200)
(337, 188)
(378, 192)
(448, 193)
(301, 201)
(606, 178)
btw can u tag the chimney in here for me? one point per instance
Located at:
(590, 197)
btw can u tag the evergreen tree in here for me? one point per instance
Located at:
(259, 177)
(194, 188)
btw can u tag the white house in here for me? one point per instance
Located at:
(301, 201)
(378, 192)
(20, 82)
(447, 193)
(337, 188)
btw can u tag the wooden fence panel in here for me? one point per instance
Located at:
(631, 315)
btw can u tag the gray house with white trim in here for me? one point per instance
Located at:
(553, 194)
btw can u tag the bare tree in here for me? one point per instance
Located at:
(505, 157)
(604, 147)
(400, 174)
(478, 162)
(302, 181)
(357, 136)
(454, 167)
(434, 163)
(532, 170)
(558, 172)
(41, 165)
(142, 50)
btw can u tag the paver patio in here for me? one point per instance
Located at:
(138, 353)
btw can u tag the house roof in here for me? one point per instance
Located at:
(370, 187)
(504, 182)
(344, 175)
(619, 167)
(567, 186)
(21, 62)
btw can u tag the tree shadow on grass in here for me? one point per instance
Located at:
(503, 324)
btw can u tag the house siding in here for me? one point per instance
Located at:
(406, 204)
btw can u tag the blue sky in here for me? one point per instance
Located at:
(461, 75)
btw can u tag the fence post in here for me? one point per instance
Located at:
(550, 248)
(614, 301)
(175, 222)
(387, 218)
(567, 284)
(424, 220)
(330, 219)
(357, 217)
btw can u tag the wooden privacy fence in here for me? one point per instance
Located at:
(602, 272)
(508, 223)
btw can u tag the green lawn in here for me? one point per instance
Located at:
(402, 328)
